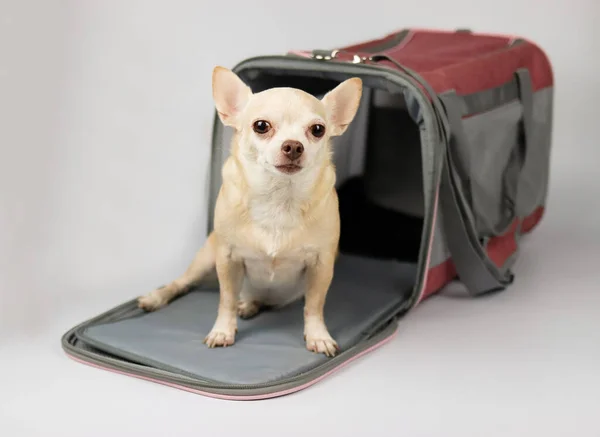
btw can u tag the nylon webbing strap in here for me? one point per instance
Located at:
(443, 128)
(475, 269)
(526, 96)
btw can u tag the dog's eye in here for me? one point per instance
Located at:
(317, 130)
(261, 127)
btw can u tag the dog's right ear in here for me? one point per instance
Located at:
(342, 103)
(230, 94)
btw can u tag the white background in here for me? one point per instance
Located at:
(105, 126)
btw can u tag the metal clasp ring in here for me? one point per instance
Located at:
(358, 59)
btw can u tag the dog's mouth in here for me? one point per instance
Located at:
(288, 168)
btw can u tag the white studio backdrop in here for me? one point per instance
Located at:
(105, 127)
(106, 118)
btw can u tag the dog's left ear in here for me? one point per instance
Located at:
(230, 94)
(341, 104)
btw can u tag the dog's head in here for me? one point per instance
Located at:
(284, 130)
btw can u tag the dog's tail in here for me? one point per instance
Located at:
(201, 270)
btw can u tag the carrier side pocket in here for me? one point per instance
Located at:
(491, 149)
(493, 167)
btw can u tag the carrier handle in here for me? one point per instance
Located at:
(525, 87)
(474, 267)
(514, 174)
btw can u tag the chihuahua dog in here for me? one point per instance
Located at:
(276, 220)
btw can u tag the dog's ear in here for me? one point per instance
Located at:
(341, 104)
(230, 94)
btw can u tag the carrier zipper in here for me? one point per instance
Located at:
(334, 55)
(386, 43)
(393, 41)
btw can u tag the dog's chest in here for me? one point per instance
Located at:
(276, 212)
(275, 254)
(275, 249)
(272, 262)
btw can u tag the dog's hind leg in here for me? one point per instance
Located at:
(250, 302)
(248, 308)
(201, 268)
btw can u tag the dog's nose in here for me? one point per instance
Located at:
(292, 149)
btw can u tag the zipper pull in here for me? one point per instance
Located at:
(324, 55)
(329, 55)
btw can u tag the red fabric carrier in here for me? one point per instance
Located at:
(463, 61)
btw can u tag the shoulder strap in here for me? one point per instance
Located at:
(474, 267)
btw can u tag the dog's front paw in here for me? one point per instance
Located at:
(319, 341)
(220, 337)
(152, 301)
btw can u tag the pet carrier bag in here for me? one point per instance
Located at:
(441, 173)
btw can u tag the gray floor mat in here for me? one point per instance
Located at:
(268, 347)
